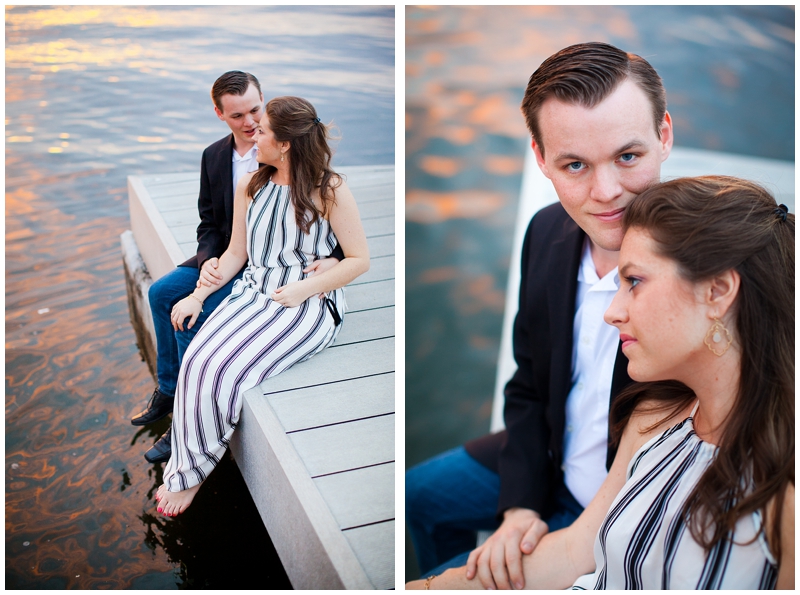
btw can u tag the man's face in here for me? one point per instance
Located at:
(600, 158)
(241, 113)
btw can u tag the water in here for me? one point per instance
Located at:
(729, 75)
(93, 95)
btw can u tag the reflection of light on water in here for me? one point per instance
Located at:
(325, 65)
(92, 95)
(434, 207)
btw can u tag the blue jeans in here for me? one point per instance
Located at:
(172, 344)
(449, 498)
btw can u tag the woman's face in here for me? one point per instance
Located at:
(268, 150)
(662, 318)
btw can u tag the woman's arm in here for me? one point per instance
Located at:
(230, 263)
(786, 563)
(346, 225)
(563, 556)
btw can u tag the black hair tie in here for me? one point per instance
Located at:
(316, 120)
(781, 212)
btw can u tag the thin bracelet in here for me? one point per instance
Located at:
(198, 299)
(428, 582)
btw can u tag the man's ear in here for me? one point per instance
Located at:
(667, 137)
(540, 158)
(721, 293)
(219, 113)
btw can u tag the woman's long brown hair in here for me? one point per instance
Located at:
(295, 120)
(710, 225)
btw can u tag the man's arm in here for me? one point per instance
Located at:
(210, 238)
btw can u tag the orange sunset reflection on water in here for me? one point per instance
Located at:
(94, 94)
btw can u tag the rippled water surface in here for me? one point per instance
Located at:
(93, 95)
(729, 75)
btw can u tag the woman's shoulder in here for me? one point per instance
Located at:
(652, 417)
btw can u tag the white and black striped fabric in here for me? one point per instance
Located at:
(249, 337)
(644, 543)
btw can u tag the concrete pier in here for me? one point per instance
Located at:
(315, 444)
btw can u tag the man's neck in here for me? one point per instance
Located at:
(604, 260)
(241, 147)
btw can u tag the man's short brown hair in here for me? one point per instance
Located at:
(233, 82)
(585, 74)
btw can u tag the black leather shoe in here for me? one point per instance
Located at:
(161, 450)
(159, 406)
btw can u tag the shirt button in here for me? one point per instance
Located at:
(580, 386)
(586, 340)
(569, 428)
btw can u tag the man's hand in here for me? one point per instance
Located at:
(209, 274)
(320, 266)
(498, 562)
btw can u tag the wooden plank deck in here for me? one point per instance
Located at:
(315, 444)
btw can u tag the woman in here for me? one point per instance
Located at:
(701, 492)
(286, 216)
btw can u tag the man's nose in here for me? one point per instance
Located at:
(606, 184)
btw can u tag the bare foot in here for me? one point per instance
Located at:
(174, 503)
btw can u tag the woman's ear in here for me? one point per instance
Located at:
(721, 293)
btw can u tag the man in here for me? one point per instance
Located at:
(239, 103)
(600, 131)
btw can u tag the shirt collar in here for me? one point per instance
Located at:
(251, 154)
(588, 273)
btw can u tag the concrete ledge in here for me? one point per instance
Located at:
(314, 552)
(137, 285)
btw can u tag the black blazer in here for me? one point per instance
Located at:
(529, 452)
(215, 204)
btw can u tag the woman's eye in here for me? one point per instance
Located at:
(633, 282)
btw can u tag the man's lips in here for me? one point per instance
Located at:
(614, 215)
(627, 340)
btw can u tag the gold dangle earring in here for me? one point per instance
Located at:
(714, 338)
(281, 157)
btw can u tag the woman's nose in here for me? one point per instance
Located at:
(616, 313)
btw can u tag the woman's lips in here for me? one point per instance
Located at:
(627, 340)
(609, 216)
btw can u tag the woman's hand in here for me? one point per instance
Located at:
(292, 294)
(188, 307)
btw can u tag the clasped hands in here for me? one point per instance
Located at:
(290, 295)
(497, 563)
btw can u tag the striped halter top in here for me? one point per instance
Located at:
(644, 543)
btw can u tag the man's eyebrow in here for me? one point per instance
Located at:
(634, 144)
(252, 109)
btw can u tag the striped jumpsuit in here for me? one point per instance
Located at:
(249, 337)
(644, 542)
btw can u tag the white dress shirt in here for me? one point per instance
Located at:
(243, 165)
(594, 349)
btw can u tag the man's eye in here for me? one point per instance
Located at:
(575, 166)
(627, 157)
